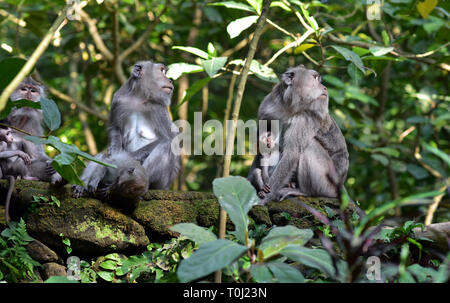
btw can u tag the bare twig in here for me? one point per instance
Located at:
(98, 41)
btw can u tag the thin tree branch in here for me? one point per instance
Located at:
(40, 49)
(144, 36)
(98, 41)
(236, 109)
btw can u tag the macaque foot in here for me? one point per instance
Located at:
(286, 192)
(78, 191)
(56, 179)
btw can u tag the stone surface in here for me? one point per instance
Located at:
(96, 228)
(41, 253)
(52, 269)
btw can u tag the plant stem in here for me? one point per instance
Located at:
(235, 114)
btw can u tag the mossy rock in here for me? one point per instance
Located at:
(91, 226)
(98, 227)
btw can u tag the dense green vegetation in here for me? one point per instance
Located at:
(385, 65)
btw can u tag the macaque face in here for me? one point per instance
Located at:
(6, 135)
(153, 79)
(303, 86)
(29, 92)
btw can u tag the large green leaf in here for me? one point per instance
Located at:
(213, 66)
(10, 67)
(175, 70)
(194, 232)
(315, 258)
(236, 196)
(52, 116)
(236, 27)
(280, 237)
(209, 258)
(261, 273)
(285, 273)
(19, 103)
(350, 56)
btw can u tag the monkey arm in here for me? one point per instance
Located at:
(11, 153)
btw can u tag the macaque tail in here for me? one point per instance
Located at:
(8, 198)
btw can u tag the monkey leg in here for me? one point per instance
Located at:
(162, 166)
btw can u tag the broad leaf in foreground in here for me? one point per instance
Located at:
(194, 232)
(236, 196)
(209, 258)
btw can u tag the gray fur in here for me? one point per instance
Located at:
(30, 120)
(313, 149)
(139, 124)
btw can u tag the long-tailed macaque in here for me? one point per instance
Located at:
(30, 120)
(313, 148)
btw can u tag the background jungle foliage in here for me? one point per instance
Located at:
(385, 66)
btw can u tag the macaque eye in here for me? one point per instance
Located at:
(33, 90)
(23, 89)
(163, 70)
(318, 78)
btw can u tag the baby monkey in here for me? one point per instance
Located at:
(13, 160)
(270, 152)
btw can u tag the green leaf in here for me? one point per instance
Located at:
(68, 172)
(213, 66)
(263, 72)
(285, 273)
(380, 51)
(355, 93)
(334, 81)
(235, 5)
(312, 22)
(194, 232)
(256, 4)
(437, 152)
(52, 116)
(236, 196)
(354, 73)
(315, 258)
(422, 274)
(193, 50)
(175, 70)
(390, 151)
(280, 237)
(212, 50)
(380, 210)
(106, 275)
(59, 279)
(418, 172)
(261, 273)
(10, 67)
(209, 258)
(380, 158)
(236, 27)
(193, 89)
(350, 56)
(109, 265)
(19, 103)
(385, 37)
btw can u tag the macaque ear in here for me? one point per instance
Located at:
(287, 78)
(137, 71)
